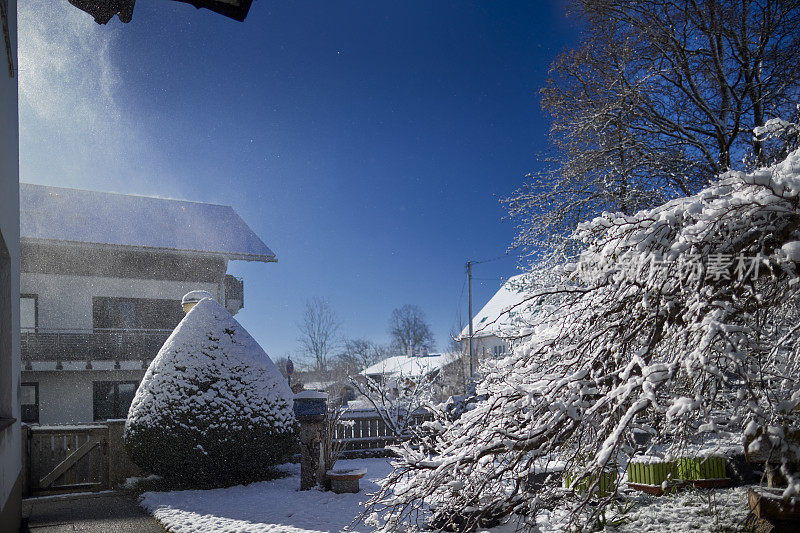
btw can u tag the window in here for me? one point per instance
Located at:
(113, 398)
(29, 398)
(28, 312)
(135, 313)
(500, 350)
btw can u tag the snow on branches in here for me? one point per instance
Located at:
(654, 330)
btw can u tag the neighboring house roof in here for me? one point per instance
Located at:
(502, 313)
(58, 214)
(410, 366)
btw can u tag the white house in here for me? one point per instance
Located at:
(497, 324)
(10, 439)
(101, 285)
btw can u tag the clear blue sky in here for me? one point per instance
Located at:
(367, 143)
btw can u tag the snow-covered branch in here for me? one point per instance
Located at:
(674, 321)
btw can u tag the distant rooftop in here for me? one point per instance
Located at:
(57, 214)
(503, 312)
(410, 366)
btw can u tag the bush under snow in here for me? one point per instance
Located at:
(212, 406)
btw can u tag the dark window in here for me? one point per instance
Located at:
(113, 398)
(28, 312)
(29, 398)
(136, 313)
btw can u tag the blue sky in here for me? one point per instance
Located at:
(367, 143)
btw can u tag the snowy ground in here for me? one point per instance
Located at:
(705, 510)
(269, 506)
(719, 510)
(278, 506)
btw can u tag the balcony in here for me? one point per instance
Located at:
(91, 345)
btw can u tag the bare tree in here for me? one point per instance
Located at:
(357, 355)
(658, 98)
(409, 327)
(318, 331)
(397, 399)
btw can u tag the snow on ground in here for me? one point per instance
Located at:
(703, 510)
(278, 506)
(267, 506)
(719, 510)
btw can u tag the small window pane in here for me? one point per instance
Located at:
(112, 399)
(29, 402)
(126, 392)
(103, 400)
(27, 312)
(28, 394)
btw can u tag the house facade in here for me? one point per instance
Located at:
(102, 277)
(496, 326)
(10, 453)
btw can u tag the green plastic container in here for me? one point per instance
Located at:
(653, 473)
(696, 468)
(606, 486)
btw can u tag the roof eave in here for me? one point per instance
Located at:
(264, 258)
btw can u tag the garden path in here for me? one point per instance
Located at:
(90, 513)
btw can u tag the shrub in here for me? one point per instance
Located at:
(212, 406)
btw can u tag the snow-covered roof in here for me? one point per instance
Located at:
(411, 366)
(494, 318)
(57, 214)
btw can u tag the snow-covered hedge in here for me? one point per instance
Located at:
(212, 406)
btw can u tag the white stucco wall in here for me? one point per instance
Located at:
(65, 301)
(10, 460)
(484, 346)
(66, 396)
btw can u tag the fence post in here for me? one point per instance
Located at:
(120, 467)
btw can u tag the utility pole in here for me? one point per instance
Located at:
(469, 310)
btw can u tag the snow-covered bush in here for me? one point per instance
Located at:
(212, 406)
(680, 321)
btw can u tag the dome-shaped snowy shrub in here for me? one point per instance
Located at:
(212, 406)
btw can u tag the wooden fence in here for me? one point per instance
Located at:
(365, 433)
(88, 457)
(91, 457)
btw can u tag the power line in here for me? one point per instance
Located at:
(499, 257)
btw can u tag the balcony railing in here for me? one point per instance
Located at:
(92, 345)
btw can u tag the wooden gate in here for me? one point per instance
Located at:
(66, 459)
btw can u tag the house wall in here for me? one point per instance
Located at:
(484, 346)
(10, 453)
(66, 396)
(65, 301)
